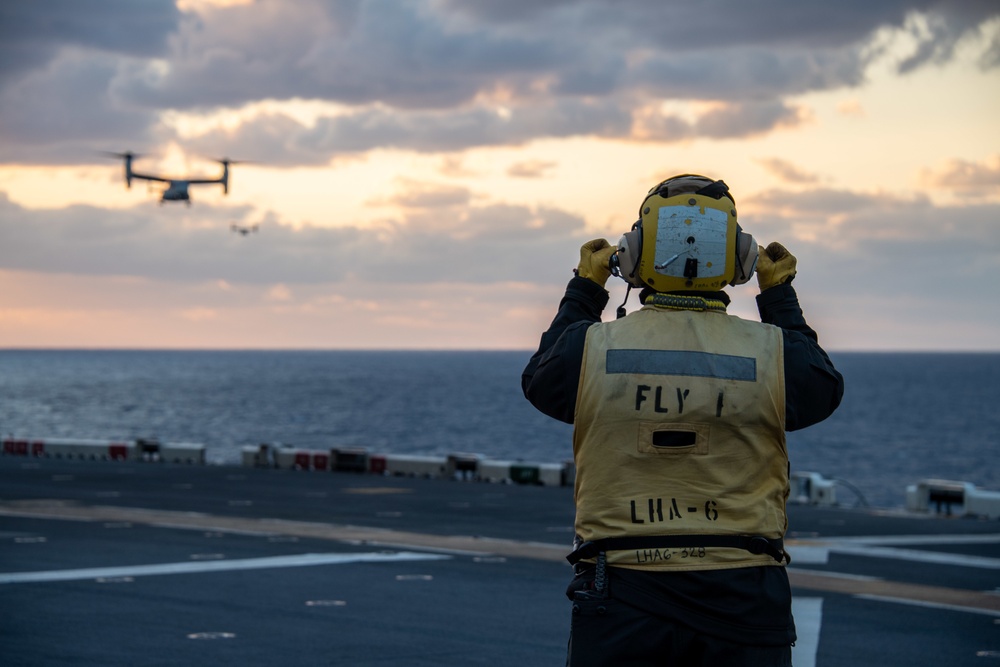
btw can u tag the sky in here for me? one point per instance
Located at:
(423, 172)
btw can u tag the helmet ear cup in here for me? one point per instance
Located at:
(746, 257)
(629, 252)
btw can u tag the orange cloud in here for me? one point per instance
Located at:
(971, 179)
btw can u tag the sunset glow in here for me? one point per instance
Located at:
(423, 173)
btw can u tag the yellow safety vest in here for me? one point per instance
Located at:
(679, 430)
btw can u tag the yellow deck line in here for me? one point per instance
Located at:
(806, 579)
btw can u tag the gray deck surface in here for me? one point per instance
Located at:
(105, 563)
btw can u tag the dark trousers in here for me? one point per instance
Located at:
(609, 633)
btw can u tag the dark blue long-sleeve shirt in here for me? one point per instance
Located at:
(813, 387)
(749, 605)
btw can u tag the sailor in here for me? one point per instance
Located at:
(680, 412)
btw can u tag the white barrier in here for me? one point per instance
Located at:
(494, 471)
(520, 472)
(414, 465)
(552, 474)
(301, 459)
(284, 457)
(105, 450)
(811, 488)
(940, 496)
(463, 466)
(70, 448)
(182, 452)
(264, 455)
(169, 452)
(944, 496)
(459, 466)
(257, 456)
(983, 503)
(937, 494)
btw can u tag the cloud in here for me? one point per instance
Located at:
(416, 56)
(851, 108)
(64, 113)
(969, 179)
(787, 171)
(990, 57)
(531, 169)
(876, 241)
(685, 26)
(873, 268)
(277, 139)
(749, 74)
(439, 240)
(907, 245)
(718, 121)
(403, 54)
(33, 33)
(418, 195)
(746, 119)
(440, 75)
(936, 35)
(281, 140)
(279, 292)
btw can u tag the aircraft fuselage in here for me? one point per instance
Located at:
(177, 191)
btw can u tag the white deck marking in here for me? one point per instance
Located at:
(808, 613)
(300, 560)
(935, 557)
(406, 541)
(930, 605)
(808, 553)
(817, 551)
(886, 540)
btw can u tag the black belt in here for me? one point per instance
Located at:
(755, 544)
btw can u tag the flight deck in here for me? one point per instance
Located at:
(129, 563)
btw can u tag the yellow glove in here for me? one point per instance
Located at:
(775, 265)
(594, 259)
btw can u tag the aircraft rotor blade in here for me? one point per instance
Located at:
(226, 160)
(125, 155)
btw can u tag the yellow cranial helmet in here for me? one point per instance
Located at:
(687, 238)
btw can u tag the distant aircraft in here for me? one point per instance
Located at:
(177, 188)
(243, 230)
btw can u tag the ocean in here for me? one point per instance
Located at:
(905, 416)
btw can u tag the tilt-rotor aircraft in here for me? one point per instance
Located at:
(239, 229)
(177, 188)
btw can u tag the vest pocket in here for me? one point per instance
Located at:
(674, 439)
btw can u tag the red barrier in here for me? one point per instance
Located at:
(117, 452)
(15, 447)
